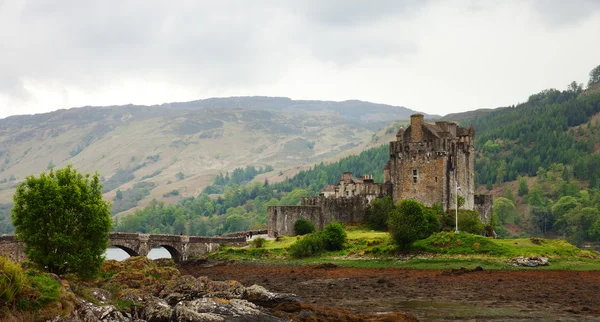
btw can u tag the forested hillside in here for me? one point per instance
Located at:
(540, 159)
(245, 206)
(551, 127)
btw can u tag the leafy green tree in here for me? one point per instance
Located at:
(304, 226)
(63, 221)
(334, 236)
(432, 217)
(407, 223)
(561, 207)
(523, 188)
(509, 194)
(378, 213)
(468, 221)
(119, 195)
(505, 210)
(594, 76)
(579, 224)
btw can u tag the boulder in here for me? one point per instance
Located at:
(216, 309)
(101, 294)
(156, 310)
(530, 261)
(88, 312)
(261, 296)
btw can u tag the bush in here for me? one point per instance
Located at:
(310, 245)
(46, 205)
(334, 236)
(258, 242)
(304, 226)
(407, 223)
(12, 280)
(469, 222)
(433, 221)
(378, 213)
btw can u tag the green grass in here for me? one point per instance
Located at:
(374, 249)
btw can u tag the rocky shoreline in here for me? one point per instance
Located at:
(139, 289)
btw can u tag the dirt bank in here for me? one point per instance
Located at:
(430, 294)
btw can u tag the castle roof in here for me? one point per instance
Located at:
(329, 188)
(465, 131)
(434, 129)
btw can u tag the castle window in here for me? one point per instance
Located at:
(415, 176)
(435, 179)
(347, 193)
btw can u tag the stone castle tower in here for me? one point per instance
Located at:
(428, 160)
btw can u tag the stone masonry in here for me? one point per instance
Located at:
(427, 164)
(180, 247)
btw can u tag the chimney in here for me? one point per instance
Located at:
(347, 177)
(416, 127)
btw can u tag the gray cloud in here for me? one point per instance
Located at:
(77, 52)
(559, 13)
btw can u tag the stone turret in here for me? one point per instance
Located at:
(416, 127)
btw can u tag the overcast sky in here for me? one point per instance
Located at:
(432, 56)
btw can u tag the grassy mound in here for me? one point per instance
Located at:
(468, 244)
(26, 292)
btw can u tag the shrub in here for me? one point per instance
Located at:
(378, 213)
(407, 223)
(304, 226)
(310, 245)
(258, 242)
(432, 219)
(334, 236)
(12, 280)
(468, 221)
(46, 205)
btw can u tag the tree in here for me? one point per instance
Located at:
(575, 87)
(407, 223)
(63, 221)
(504, 208)
(304, 226)
(378, 213)
(508, 194)
(594, 76)
(523, 188)
(333, 235)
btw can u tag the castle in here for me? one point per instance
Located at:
(428, 163)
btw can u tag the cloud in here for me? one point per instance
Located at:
(72, 53)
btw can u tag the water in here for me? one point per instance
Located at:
(119, 254)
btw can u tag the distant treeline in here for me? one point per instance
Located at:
(243, 207)
(551, 127)
(238, 176)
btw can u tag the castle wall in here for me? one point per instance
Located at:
(13, 249)
(483, 204)
(465, 175)
(320, 211)
(283, 218)
(346, 210)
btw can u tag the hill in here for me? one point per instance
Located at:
(174, 150)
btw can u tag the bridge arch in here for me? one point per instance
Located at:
(128, 250)
(173, 251)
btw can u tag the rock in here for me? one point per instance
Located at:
(261, 296)
(187, 285)
(156, 310)
(101, 295)
(88, 312)
(226, 289)
(216, 309)
(530, 261)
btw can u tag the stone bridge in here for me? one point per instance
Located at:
(180, 247)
